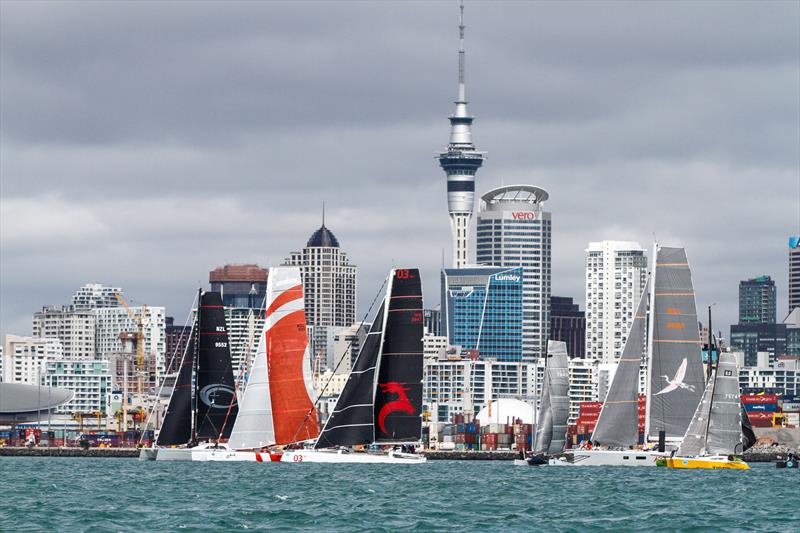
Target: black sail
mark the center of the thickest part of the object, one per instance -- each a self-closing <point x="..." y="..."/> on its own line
<point x="177" y="426"/>
<point x="748" y="435"/>
<point x="398" y="393"/>
<point x="215" y="386"/>
<point x="350" y="422"/>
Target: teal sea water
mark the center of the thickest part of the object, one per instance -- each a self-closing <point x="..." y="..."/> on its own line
<point x="76" y="494"/>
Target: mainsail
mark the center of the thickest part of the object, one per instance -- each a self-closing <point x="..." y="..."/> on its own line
<point x="617" y="425"/>
<point x="276" y="407"/>
<point x="674" y="364"/>
<point x="551" y="429"/>
<point x="382" y="399"/>
<point x="398" y="395"/>
<point x="716" y="427"/>
<point x="215" y="395"/>
<point x="177" y="426"/>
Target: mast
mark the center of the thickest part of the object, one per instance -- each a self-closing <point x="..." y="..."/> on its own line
<point x="194" y="369"/>
<point x="710" y="340"/>
<point x="713" y="385"/>
<point x="649" y="356"/>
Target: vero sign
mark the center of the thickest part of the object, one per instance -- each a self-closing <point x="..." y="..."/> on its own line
<point x="524" y="215"/>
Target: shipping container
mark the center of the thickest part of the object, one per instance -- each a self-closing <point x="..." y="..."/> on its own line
<point x="458" y="419"/>
<point x="755" y="416"/>
<point x="763" y="407"/>
<point x="759" y="398"/>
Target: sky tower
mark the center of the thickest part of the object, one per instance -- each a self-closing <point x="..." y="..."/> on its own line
<point x="460" y="162"/>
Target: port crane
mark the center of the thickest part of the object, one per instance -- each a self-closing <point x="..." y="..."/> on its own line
<point x="138" y="320"/>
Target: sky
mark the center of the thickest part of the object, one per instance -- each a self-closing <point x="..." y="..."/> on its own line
<point x="142" y="144"/>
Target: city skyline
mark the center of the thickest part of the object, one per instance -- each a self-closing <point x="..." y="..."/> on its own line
<point x="129" y="171"/>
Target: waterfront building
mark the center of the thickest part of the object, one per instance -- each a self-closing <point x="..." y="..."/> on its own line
<point x="329" y="287"/>
<point x="514" y="230"/>
<point x="176" y="341"/>
<point x="244" y="326"/>
<point x="346" y="344"/>
<point x="794" y="273"/>
<point x="96" y="295"/>
<point x="242" y="286"/>
<point x="432" y="321"/>
<point x="113" y="326"/>
<point x="434" y="346"/>
<point x="482" y="311"/>
<point x="753" y="338"/>
<point x="616" y="272"/>
<point x="781" y="375"/>
<point x="75" y="328"/>
<point x="568" y="324"/>
<point x="89" y="380"/>
<point x="757" y="301"/>
<point x="460" y="162"/>
<point x="24" y="358"/>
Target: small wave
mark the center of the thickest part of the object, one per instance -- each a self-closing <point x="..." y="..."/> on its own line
<point x="281" y="497"/>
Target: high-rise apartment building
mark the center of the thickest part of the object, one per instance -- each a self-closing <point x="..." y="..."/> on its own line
<point x="176" y="342"/>
<point x="114" y="325"/>
<point x="482" y="311"/>
<point x="24" y="358"/>
<point x="616" y="273"/>
<point x="75" y="328"/>
<point x="515" y="231"/>
<point x="757" y="301"/>
<point x="243" y="286"/>
<point x="95" y="295"/>
<point x="794" y="273"/>
<point x="329" y="287"/>
<point x="460" y="162"/>
<point x="568" y="324"/>
<point x="89" y="380"/>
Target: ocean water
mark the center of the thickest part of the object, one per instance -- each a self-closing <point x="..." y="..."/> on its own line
<point x="77" y="494"/>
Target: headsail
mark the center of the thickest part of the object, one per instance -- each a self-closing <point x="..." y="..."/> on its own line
<point x="215" y="396"/>
<point x="177" y="426"/>
<point x="398" y="394"/>
<point x="351" y="421"/>
<point x="716" y="427"/>
<point x="617" y="426"/>
<point x="674" y="365"/>
<point x="551" y="428"/>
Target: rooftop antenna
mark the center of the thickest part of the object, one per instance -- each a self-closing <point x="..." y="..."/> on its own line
<point x="323" y="213"/>
<point x="461" y="92"/>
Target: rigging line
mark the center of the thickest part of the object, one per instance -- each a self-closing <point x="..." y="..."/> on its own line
<point x="240" y="374"/>
<point x="172" y="360"/>
<point x="341" y="359"/>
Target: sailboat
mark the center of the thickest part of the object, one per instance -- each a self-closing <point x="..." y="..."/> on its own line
<point x="714" y="437"/>
<point x="202" y="407"/>
<point x="551" y="427"/>
<point x="381" y="402"/>
<point x="675" y="373"/>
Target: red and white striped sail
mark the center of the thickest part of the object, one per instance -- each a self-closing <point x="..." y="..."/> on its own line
<point x="277" y="405"/>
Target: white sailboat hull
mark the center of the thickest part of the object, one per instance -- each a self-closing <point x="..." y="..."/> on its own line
<point x="344" y="456"/>
<point x="607" y="458"/>
<point x="203" y="453"/>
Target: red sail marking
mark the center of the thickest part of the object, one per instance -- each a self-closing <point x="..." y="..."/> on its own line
<point x="285" y="297"/>
<point x="401" y="404"/>
<point x="286" y="347"/>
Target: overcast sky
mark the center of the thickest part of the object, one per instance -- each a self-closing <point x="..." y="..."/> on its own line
<point x="145" y="143"/>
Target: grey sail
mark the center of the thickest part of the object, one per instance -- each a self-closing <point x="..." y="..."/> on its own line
<point x="695" y="438"/>
<point x="618" y="424"/>
<point x="725" y="426"/>
<point x="559" y="394"/>
<point x="551" y="428"/>
<point x="675" y="369"/>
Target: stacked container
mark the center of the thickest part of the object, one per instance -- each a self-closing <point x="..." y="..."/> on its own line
<point x="760" y="408"/>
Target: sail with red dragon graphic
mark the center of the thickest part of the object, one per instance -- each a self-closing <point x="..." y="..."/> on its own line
<point x="277" y="406"/>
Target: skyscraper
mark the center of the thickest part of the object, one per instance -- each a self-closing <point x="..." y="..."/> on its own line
<point x="329" y="287"/>
<point x="616" y="272"/>
<point x="757" y="301"/>
<point x="568" y="324"/>
<point x="482" y="311"/>
<point x="241" y="286"/>
<point x="460" y="162"/>
<point x="515" y="231"/>
<point x="794" y="273"/>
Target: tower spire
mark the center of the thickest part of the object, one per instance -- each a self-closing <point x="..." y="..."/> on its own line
<point x="461" y="57"/>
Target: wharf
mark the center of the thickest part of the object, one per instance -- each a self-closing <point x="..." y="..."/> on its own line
<point x="457" y="455"/>
<point x="15" y="451"/>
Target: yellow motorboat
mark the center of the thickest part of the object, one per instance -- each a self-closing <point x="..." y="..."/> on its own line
<point x="708" y="461"/>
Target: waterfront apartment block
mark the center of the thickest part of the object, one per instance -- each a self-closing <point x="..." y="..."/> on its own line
<point x="757" y="301"/>
<point x="616" y="273"/>
<point x="112" y="322"/>
<point x="96" y="295"/>
<point x="242" y="286"/>
<point x="75" y="328"/>
<point x="89" y="380"/>
<point x="482" y="311"/>
<point x="24" y="358"/>
<point x="514" y="231"/>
